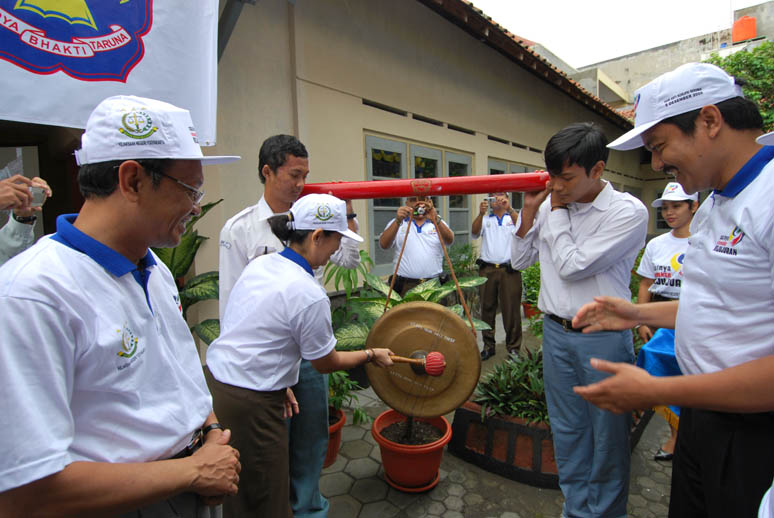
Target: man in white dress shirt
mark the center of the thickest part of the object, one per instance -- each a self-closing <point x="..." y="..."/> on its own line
<point x="283" y="166"/>
<point x="586" y="236"/>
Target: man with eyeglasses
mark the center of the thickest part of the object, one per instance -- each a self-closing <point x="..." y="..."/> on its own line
<point x="104" y="399"/>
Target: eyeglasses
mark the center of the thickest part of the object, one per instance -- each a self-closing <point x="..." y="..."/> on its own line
<point x="195" y="194"/>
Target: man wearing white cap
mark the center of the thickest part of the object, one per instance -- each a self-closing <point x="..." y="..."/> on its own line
<point x="104" y="399"/>
<point x="698" y="126"/>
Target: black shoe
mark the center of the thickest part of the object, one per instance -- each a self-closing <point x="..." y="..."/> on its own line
<point x="486" y="354"/>
<point x="663" y="455"/>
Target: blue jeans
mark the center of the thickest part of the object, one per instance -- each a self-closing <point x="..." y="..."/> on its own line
<point x="308" y="443"/>
<point x="591" y="445"/>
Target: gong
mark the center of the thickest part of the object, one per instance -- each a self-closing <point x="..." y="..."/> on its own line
<point x="417" y="328"/>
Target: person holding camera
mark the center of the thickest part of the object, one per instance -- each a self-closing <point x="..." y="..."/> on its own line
<point x="24" y="197"/>
<point x="423" y="256"/>
<point x="495" y="224"/>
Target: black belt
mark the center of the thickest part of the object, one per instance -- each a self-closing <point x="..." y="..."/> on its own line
<point x="495" y="265"/>
<point x="420" y="281"/>
<point x="566" y="324"/>
<point x="196" y="442"/>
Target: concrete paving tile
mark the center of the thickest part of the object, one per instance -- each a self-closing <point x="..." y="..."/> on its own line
<point x="416" y="510"/>
<point x="362" y="468"/>
<point x="335" y="484"/>
<point x="355" y="449"/>
<point x="645" y="482"/>
<point x="456" y="490"/>
<point x="369" y="490"/>
<point x="472" y="499"/>
<point x="376" y="454"/>
<point x="457" y="476"/>
<point x="453" y="514"/>
<point x="337" y="466"/>
<point x="439" y="493"/>
<point x="344" y="506"/>
<point x="436" y="509"/>
<point x="350" y="433"/>
<point x="403" y="500"/>
<point x="454" y="503"/>
<point x="510" y="514"/>
<point x="381" y="509"/>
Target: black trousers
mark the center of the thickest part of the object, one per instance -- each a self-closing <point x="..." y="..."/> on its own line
<point x="723" y="464"/>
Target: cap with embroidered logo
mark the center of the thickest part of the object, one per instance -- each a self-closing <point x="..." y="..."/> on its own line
<point x="686" y="88"/>
<point x="126" y="127"/>
<point x="674" y="192"/>
<point x="322" y="211"/>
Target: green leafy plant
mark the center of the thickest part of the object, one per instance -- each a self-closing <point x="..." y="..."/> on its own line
<point x="515" y="388"/>
<point x="530" y="279"/>
<point x="200" y="287"/>
<point x="535" y="325"/>
<point x="463" y="258"/>
<point x="348" y="277"/>
<point x="366" y="309"/>
<point x="341" y="391"/>
<point x="755" y="68"/>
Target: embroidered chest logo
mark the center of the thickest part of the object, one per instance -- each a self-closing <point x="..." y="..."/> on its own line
<point x="179" y="303"/>
<point x="85" y="39"/>
<point x="128" y="342"/>
<point x="728" y="244"/>
<point x="137" y="124"/>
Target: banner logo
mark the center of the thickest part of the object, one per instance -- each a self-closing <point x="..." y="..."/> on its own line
<point x="88" y="40"/>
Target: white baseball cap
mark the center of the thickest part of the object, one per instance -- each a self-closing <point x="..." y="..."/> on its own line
<point x="766" y="140"/>
<point x="686" y="88"/>
<point x="126" y="127"/>
<point x="322" y="211"/>
<point x="674" y="192"/>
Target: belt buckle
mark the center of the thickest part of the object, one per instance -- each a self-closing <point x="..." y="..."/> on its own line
<point x="497" y="265"/>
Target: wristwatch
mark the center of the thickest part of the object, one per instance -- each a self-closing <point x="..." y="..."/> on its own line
<point x="24" y="219"/>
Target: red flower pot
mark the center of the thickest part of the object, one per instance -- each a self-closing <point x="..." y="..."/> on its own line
<point x="334" y="437"/>
<point x="530" y="310"/>
<point x="406" y="467"/>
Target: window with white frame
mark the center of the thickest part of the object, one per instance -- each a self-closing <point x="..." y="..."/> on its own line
<point x="389" y="159"/>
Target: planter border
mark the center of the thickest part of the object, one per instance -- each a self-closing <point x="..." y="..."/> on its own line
<point x="470" y="413"/>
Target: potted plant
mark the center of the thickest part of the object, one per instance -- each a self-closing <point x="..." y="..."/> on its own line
<point x="411" y="460"/>
<point x="505" y="428"/>
<point x="530" y="278"/>
<point x="341" y="391"/>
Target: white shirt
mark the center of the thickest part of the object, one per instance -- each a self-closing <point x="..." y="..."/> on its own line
<point x="663" y="262"/>
<point x="269" y="325"/>
<point x="93" y="367"/>
<point x="15" y="237"/>
<point x="584" y="252"/>
<point x="726" y="312"/>
<point x="423" y="255"/>
<point x="247" y="235"/>
<point x="496" y="235"/>
<point x="766" y="509"/>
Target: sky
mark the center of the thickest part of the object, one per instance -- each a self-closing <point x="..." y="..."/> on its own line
<point x="583" y="33"/>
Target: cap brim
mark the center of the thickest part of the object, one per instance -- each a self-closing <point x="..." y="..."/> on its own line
<point x="348" y="233"/>
<point x="214" y="160"/>
<point x="656" y="203"/>
<point x="766" y="140"/>
<point x="632" y="139"/>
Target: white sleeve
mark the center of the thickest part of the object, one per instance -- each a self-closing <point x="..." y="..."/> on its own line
<point x="233" y="260"/>
<point x="348" y="254"/>
<point x="524" y="250"/>
<point x="647" y="268"/>
<point x="313" y="331"/>
<point x="15" y="237"/>
<point x="396" y="235"/>
<point x="37" y="365"/>
<point x="621" y="232"/>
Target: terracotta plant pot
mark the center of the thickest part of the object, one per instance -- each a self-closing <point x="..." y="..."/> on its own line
<point x="334" y="437"/>
<point x="530" y="310"/>
<point x="411" y="468"/>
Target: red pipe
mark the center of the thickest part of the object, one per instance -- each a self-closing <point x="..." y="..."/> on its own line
<point x="524" y="182"/>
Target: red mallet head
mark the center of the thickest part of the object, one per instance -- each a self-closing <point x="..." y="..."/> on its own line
<point x="435" y="363"/>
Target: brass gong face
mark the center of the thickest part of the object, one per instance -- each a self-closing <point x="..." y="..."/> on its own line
<point x="426" y="326"/>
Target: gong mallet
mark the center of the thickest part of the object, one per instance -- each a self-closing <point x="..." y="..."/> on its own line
<point x="423" y="362"/>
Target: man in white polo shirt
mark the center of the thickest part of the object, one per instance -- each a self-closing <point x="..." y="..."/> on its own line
<point x="496" y="226"/>
<point x="423" y="256"/>
<point x="104" y="397"/>
<point x="699" y="127"/>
